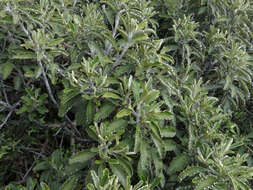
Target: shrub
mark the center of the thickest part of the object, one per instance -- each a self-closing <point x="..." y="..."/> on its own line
<point x="126" y="94"/>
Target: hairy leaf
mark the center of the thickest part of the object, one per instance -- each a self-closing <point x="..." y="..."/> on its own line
<point x="82" y="156"/>
<point x="206" y="183"/>
<point x="104" y="112"/>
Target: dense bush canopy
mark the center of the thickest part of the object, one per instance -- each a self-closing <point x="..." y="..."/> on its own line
<point x="126" y="94"/>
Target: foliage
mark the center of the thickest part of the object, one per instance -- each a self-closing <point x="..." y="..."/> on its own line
<point x="145" y="94"/>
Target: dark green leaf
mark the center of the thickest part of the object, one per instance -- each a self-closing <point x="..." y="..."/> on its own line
<point x="6" y="69"/>
<point x="82" y="156"/>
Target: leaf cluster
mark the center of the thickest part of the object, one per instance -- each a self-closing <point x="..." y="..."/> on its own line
<point x="130" y="95"/>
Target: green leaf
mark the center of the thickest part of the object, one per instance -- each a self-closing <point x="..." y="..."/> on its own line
<point x="38" y="72"/>
<point x="139" y="36"/>
<point x="41" y="166"/>
<point x="71" y="169"/>
<point x="136" y="90"/>
<point x="190" y="171"/>
<point x="169" y="145"/>
<point x="178" y="163"/>
<point x="104" y="112"/>
<point x="90" y="112"/>
<point x="155" y="183"/>
<point x="67" y="100"/>
<point x="21" y="110"/>
<point x="111" y="95"/>
<point x="206" y="183"/>
<point x="64" y="108"/>
<point x="70" y="184"/>
<point x="105" y="177"/>
<point x="158" y="162"/>
<point x="6" y="19"/>
<point x="123" y="113"/>
<point x="82" y="156"/>
<point x="150" y="96"/>
<point x="226" y="146"/>
<point x="91" y="133"/>
<point x="145" y="155"/>
<point x="80" y="114"/>
<point x="148" y="84"/>
<point x="30" y="184"/>
<point x="158" y="144"/>
<point x="6" y="69"/>
<point x="56" y="159"/>
<point x="69" y="94"/>
<point x="202" y="10"/>
<point x="143" y="172"/>
<point x="165" y="115"/>
<point x="44" y="186"/>
<point x="123" y="34"/>
<point x="55" y="42"/>
<point x="112" y="161"/>
<point x="17" y="82"/>
<point x="243" y="185"/>
<point x="155" y="129"/>
<point x="117" y="125"/>
<point x="168" y="131"/>
<point x="95" y="179"/>
<point x="227" y="83"/>
<point x="120" y="173"/>
<point x="137" y="139"/>
<point x="126" y="165"/>
<point x="90" y="187"/>
<point x="25" y="55"/>
<point x="138" y="185"/>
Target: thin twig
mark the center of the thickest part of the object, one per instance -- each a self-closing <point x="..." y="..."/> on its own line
<point x="47" y="82"/>
<point x="4" y="104"/>
<point x="12" y="109"/>
<point x="28" y="172"/>
<point x="21" y="76"/>
<point x="47" y="85"/>
<point x="4" y="45"/>
<point x="26" y="32"/>
<point x="66" y="130"/>
<point x="6" y="119"/>
<point x="117" y="62"/>
<point x="58" y="131"/>
<point x="52" y="96"/>
<point x="32" y="150"/>
<point x="4" y="92"/>
<point x="63" y="134"/>
<point x="74" y="4"/>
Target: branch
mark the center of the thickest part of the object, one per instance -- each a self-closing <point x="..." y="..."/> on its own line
<point x="26" y="32"/>
<point x="6" y="119"/>
<point x="5" y="104"/>
<point x="63" y="126"/>
<point x="47" y="85"/>
<point x="28" y="171"/>
<point x="12" y="109"/>
<point x="21" y="75"/>
<point x="117" y="62"/>
<point x="4" y="92"/>
<point x="47" y="82"/>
